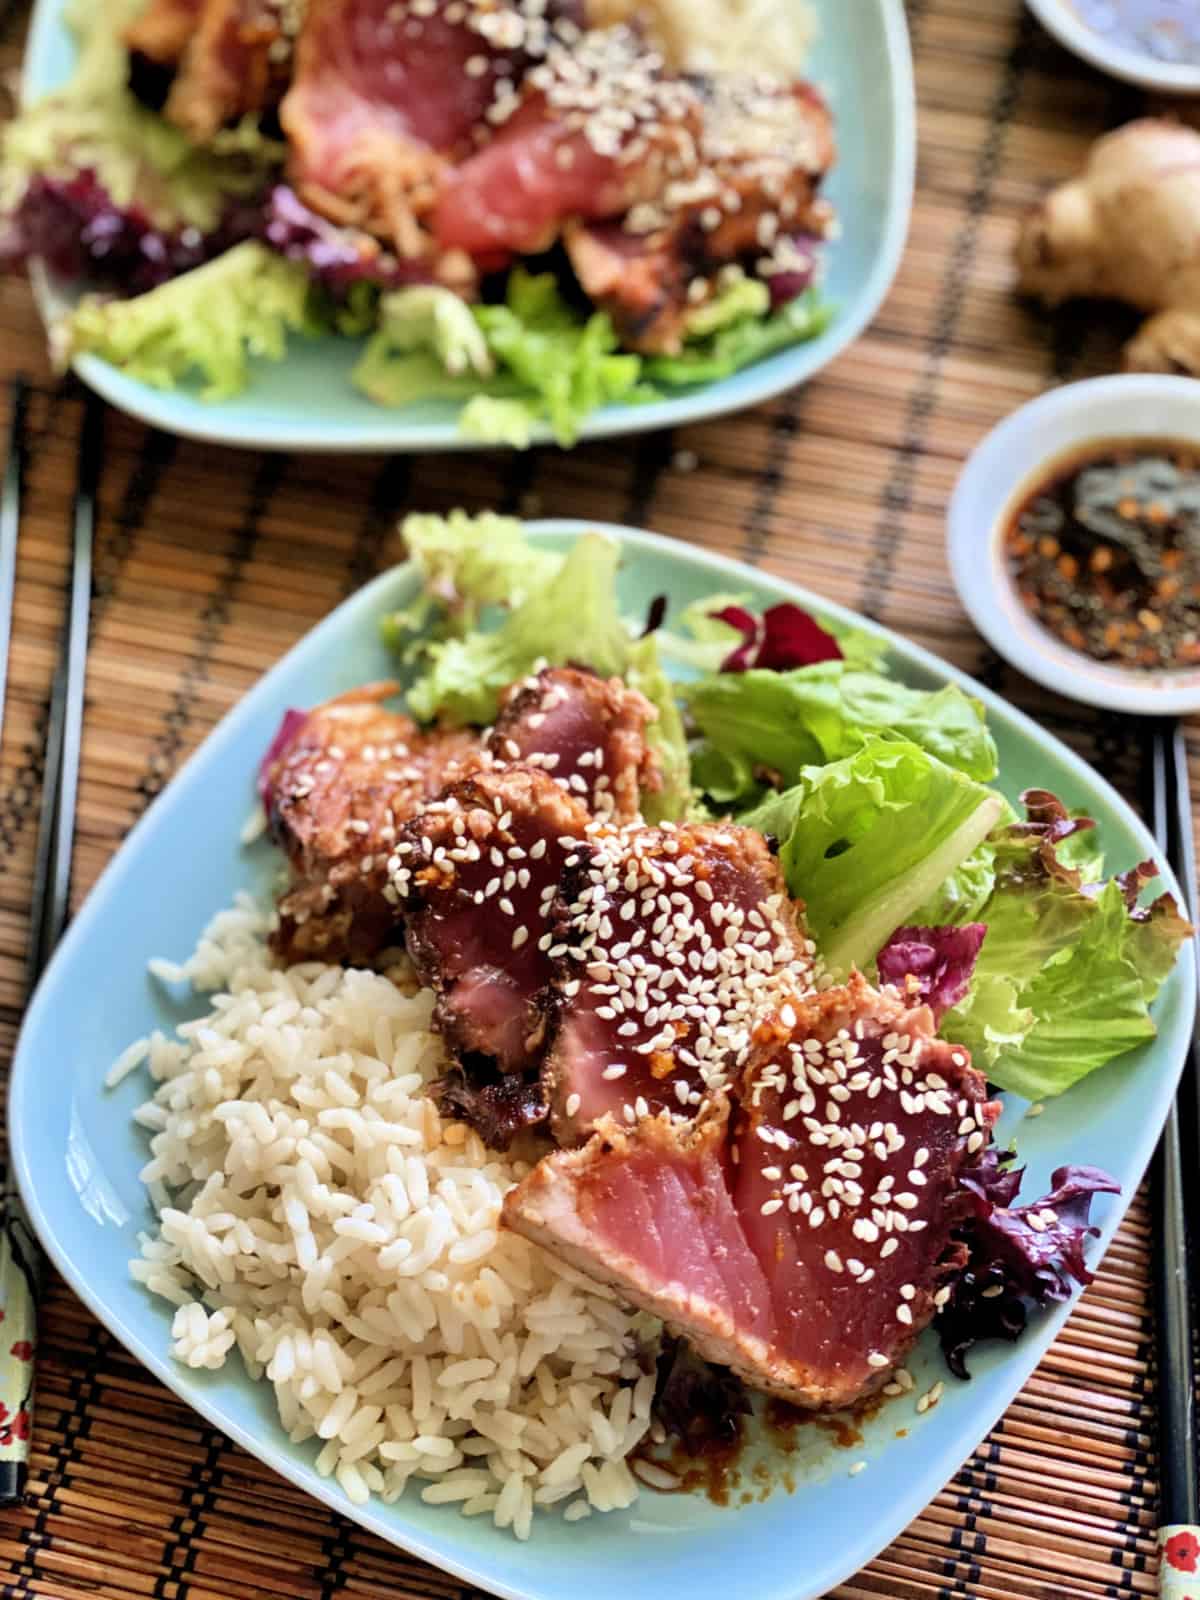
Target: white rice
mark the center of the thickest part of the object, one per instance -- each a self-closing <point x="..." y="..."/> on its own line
<point x="318" y="1214"/>
<point x="772" y="37"/>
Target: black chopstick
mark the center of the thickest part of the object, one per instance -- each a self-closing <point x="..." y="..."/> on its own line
<point x="19" y="1257"/>
<point x="10" y="524"/>
<point x="60" y="786"/>
<point x="1179" y="1459"/>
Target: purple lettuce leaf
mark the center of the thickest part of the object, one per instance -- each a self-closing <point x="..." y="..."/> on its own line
<point x="1014" y="1256"/>
<point x="73" y="225"/>
<point x="336" y="257"/>
<point x="782" y="638"/>
<point x="800" y="274"/>
<point x="932" y="966"/>
<point x="287" y="730"/>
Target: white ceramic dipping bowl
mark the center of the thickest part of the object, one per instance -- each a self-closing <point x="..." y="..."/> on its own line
<point x="1003" y="470"/>
<point x="1060" y="18"/>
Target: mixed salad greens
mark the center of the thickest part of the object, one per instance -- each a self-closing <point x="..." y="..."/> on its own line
<point x="200" y="259"/>
<point x="881" y="796"/>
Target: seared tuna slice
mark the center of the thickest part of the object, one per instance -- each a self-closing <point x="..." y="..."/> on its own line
<point x="238" y="62"/>
<point x="587" y="732"/>
<point x="684" y="945"/>
<point x="801" y="1241"/>
<point x="595" y="128"/>
<point x="477" y="874"/>
<point x="763" y="151"/>
<point x="337" y="794"/>
<point x="641" y="281"/>
<point x="386" y="93"/>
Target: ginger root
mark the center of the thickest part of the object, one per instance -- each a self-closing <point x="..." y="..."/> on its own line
<point x="1127" y="229"/>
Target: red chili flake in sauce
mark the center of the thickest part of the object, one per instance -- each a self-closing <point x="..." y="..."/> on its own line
<point x="1105" y="553"/>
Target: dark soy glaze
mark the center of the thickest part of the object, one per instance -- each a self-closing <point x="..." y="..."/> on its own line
<point x="1104" y="551"/>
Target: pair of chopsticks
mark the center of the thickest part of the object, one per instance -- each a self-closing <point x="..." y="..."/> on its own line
<point x="1174" y="1192"/>
<point x="19" y="1259"/>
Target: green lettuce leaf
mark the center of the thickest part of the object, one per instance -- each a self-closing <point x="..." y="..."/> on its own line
<point x="489" y="419"/>
<point x="495" y="605"/>
<point x="532" y="359"/>
<point x="93" y="123"/>
<point x="644" y="671"/>
<point x="783" y="722"/>
<point x="698" y="639"/>
<point x="549" y="363"/>
<point x="737" y="298"/>
<point x="428" y="344"/>
<point x="571" y="617"/>
<point x="738" y="344"/>
<point x="569" y="369"/>
<point x="963" y="895"/>
<point x="207" y="323"/>
<point x="866" y="840"/>
<point x="1068" y="968"/>
<point x="468" y="563"/>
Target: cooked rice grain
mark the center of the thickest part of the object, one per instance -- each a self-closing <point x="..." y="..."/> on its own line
<point x="316" y="1212"/>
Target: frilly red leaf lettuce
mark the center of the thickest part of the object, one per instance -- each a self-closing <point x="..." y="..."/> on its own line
<point x="337" y="258"/>
<point x="1015" y="1255"/>
<point x="287" y="730"/>
<point x="74" y="226"/>
<point x="1072" y="961"/>
<point x="782" y="638"/>
<point x="932" y="966"/>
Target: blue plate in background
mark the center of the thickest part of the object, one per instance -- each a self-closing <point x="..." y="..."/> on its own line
<point x="862" y="60"/>
<point x="77" y="1153"/>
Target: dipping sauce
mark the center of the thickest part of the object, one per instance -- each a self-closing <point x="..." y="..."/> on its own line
<point x="1165" y="30"/>
<point x="1105" y="552"/>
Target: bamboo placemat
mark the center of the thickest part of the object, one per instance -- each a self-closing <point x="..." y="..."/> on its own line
<point x="211" y="564"/>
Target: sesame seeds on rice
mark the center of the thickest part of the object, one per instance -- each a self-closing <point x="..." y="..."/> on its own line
<point x="318" y="1215"/>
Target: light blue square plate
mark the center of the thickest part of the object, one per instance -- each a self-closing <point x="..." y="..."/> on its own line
<point x="77" y="1153"/>
<point x="861" y="58"/>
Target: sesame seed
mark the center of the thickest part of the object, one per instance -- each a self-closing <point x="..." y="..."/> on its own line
<point x="574" y="1101"/>
<point x="833" y="1261"/>
<point x="878" y="1360"/>
<point x="859" y="1466"/>
<point x="904" y="1314"/>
